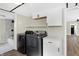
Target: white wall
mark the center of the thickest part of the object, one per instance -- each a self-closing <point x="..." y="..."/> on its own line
<point x="5" y="30"/>
<point x="72" y="14"/>
<point x="27" y="23"/>
<point x="9" y="26"/>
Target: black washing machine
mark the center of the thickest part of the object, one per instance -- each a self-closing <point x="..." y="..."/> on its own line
<point x="21" y="43"/>
<point x="34" y="43"/>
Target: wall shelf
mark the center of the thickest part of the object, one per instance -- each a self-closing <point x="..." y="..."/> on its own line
<point x="40" y="18"/>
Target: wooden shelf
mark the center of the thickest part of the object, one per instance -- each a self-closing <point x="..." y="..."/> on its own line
<point x="40" y="18"/>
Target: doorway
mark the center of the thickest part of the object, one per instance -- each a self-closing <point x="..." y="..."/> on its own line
<point x="72" y="30"/>
<point x="72" y="39"/>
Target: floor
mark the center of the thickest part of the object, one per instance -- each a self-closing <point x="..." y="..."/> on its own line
<point x="72" y="45"/>
<point x="12" y="53"/>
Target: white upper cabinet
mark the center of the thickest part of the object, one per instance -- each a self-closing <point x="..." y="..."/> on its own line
<point x="54" y="17"/>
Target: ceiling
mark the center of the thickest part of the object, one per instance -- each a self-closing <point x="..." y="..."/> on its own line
<point x="4" y="14"/>
<point x="7" y="6"/>
<point x="27" y="9"/>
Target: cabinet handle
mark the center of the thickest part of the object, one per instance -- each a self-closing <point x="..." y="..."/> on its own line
<point x="58" y="49"/>
<point x="50" y="42"/>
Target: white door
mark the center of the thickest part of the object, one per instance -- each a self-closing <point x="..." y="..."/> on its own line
<point x="2" y="31"/>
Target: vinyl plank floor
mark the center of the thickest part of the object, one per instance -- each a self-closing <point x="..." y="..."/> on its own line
<point x="72" y="45"/>
<point x="12" y="53"/>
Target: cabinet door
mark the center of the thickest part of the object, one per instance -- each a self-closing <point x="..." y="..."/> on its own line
<point x="50" y="48"/>
<point x="54" y="17"/>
